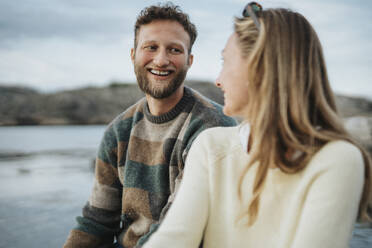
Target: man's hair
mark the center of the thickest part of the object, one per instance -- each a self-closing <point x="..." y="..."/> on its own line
<point x="167" y="11"/>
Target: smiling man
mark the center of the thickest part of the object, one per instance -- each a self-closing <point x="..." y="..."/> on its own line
<point x="142" y="154"/>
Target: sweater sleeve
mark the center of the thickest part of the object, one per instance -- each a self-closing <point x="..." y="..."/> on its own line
<point x="101" y="215"/>
<point x="331" y="205"/>
<point x="184" y="223"/>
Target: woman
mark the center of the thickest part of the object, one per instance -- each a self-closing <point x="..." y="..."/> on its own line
<point x="292" y="177"/>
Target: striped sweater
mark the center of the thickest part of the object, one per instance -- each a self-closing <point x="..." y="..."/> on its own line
<point x="138" y="168"/>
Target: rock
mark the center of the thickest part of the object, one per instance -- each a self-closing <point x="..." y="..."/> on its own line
<point x="19" y="106"/>
<point x="353" y="106"/>
<point x="360" y="127"/>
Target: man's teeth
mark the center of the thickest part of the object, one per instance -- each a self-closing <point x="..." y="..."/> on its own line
<point x="160" y="73"/>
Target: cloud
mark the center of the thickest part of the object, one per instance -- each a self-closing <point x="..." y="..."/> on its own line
<point x="67" y="19"/>
<point x="53" y="44"/>
<point x="56" y="63"/>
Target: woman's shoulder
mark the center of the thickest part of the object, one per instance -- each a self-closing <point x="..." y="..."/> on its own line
<point x="217" y="140"/>
<point x="340" y="149"/>
<point x="338" y="155"/>
<point x="219" y="134"/>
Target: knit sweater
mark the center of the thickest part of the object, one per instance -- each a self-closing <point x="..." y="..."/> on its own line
<point x="315" y="207"/>
<point x="138" y="167"/>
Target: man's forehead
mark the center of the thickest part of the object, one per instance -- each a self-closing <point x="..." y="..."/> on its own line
<point x="166" y="41"/>
<point x="163" y="31"/>
<point x="162" y="25"/>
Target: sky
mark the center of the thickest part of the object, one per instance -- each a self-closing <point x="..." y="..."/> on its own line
<point x="53" y="45"/>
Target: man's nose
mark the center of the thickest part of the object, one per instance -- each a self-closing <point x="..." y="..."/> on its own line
<point x="161" y="59"/>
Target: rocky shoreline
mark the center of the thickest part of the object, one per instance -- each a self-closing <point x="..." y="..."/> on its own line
<point x="94" y="105"/>
<point x="90" y="105"/>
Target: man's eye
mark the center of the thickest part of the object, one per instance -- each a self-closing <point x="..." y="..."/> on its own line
<point x="175" y="50"/>
<point x="151" y="48"/>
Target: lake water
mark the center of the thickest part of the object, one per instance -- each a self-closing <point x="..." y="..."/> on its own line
<point x="46" y="175"/>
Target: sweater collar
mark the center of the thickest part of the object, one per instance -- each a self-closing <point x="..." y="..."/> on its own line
<point x="171" y="114"/>
<point x="244" y="132"/>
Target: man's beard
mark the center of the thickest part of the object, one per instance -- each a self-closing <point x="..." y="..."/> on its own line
<point x="158" y="92"/>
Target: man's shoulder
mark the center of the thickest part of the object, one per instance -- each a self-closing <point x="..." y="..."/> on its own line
<point x="202" y="101"/>
<point x="209" y="111"/>
<point x="132" y="114"/>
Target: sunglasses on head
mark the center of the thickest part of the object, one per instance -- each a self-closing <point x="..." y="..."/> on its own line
<point x="250" y="11"/>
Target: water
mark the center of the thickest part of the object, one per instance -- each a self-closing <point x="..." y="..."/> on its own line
<point x="46" y="175"/>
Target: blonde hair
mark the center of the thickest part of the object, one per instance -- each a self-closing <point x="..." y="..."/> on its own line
<point x="291" y="106"/>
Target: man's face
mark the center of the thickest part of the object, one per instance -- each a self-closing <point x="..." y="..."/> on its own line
<point x="161" y="58"/>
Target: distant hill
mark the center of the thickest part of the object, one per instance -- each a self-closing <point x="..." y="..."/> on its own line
<point x="91" y="105"/>
<point x="94" y="105"/>
<point x="21" y="106"/>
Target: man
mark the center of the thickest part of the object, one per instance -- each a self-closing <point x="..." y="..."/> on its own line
<point x="143" y="151"/>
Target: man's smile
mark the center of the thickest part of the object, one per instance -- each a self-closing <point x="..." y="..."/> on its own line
<point x="161" y="73"/>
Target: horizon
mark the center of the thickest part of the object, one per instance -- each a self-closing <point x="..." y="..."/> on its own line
<point x="110" y="84"/>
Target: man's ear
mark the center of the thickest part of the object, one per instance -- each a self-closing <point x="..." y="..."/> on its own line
<point x="132" y="54"/>
<point x="190" y="60"/>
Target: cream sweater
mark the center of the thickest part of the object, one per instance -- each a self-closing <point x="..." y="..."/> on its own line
<point x="316" y="207"/>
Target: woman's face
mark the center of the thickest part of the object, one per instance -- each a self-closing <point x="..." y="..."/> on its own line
<point x="233" y="79"/>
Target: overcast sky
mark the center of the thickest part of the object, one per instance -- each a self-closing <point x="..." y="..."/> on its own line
<point x="62" y="44"/>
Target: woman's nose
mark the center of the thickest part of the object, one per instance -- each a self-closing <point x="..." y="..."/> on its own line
<point x="218" y="82"/>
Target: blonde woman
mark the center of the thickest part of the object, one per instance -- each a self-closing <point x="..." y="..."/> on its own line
<point x="292" y="177"/>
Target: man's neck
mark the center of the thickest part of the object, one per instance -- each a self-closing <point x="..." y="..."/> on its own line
<point x="161" y="106"/>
